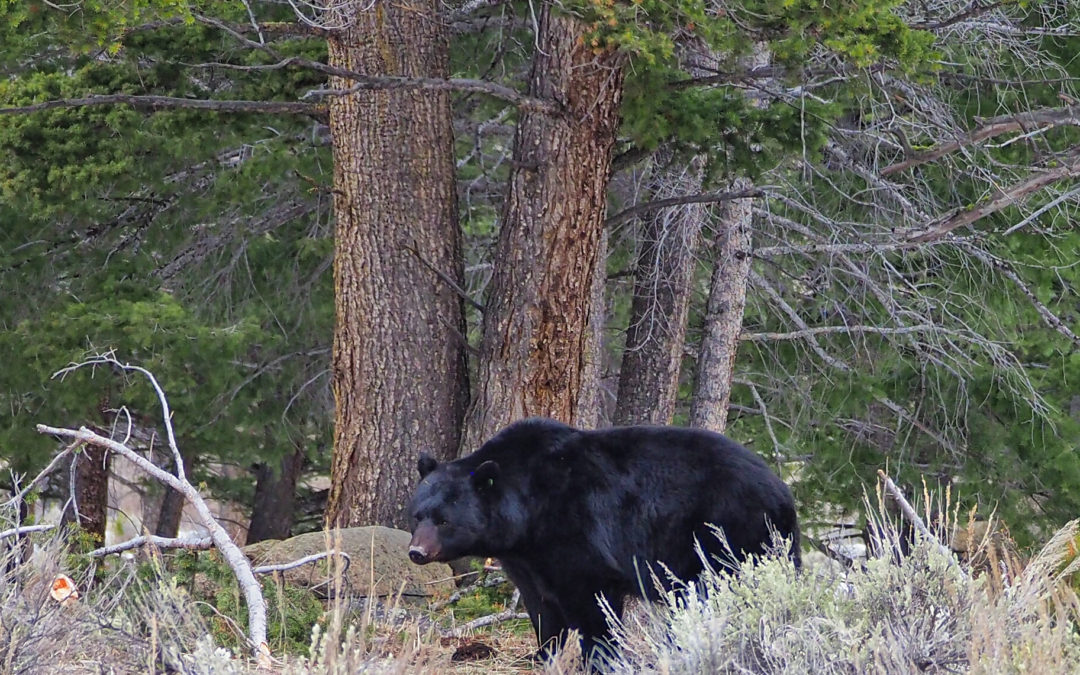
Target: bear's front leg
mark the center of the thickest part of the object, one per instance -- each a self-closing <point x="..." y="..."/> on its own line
<point x="585" y="614"/>
<point x="546" y="616"/>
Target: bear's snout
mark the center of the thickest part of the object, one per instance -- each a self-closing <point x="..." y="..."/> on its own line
<point x="424" y="547"/>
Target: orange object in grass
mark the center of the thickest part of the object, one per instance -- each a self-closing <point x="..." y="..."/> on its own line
<point x="64" y="590"/>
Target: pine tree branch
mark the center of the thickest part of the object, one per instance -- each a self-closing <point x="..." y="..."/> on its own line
<point x="634" y="211"/>
<point x="975" y="10"/>
<point x="166" y="102"/>
<point x="994" y="126"/>
<point x="284" y="28"/>
<point x="1052" y="320"/>
<point x="832" y="330"/>
<point x="1064" y="166"/>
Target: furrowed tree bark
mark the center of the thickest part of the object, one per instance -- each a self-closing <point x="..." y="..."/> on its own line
<point x="535" y="336"/>
<point x="398" y="371"/>
<point x="732" y="246"/>
<point x="273" y="510"/>
<point x="723" y="318"/>
<point x="591" y="395"/>
<point x="649" y="376"/>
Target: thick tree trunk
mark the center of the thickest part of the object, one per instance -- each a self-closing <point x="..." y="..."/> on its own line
<point x="536" y="323"/>
<point x="724" y="314"/>
<point x="399" y="375"/>
<point x="273" y="510"/>
<point x="591" y="395"/>
<point x="652" y="359"/>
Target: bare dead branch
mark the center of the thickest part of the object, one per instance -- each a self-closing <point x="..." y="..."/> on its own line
<point x="61" y="456"/>
<point x="913" y="517"/>
<point x="363" y="82"/>
<point x="284" y="28"/>
<point x="914" y="421"/>
<point x="1053" y="203"/>
<point x="1066" y="166"/>
<point x="490" y="619"/>
<point x="108" y="359"/>
<point x="189" y="542"/>
<point x="484" y="579"/>
<point x="445" y="278"/>
<point x="778" y="455"/>
<point x="306" y="560"/>
<point x="171" y="102"/>
<point x="213" y="241"/>
<point x="229" y="550"/>
<point x="1052" y="320"/>
<point x="25" y="529"/>
<point x="792" y="315"/>
<point x="832" y="330"/>
<point x="889" y="246"/>
<point x="976" y="9"/>
<point x="995" y="126"/>
<point x="391" y="82"/>
<point x="259" y="370"/>
<point x="638" y="209"/>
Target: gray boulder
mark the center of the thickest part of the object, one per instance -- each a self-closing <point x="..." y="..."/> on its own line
<point x="380" y="564"/>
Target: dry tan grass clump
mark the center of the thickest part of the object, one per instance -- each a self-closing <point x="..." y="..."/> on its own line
<point x="924" y="612"/>
<point x="135" y="618"/>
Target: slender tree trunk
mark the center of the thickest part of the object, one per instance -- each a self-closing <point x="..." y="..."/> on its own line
<point x="398" y="376"/>
<point x="731" y="252"/>
<point x="536" y="324"/>
<point x="724" y="314"/>
<point x="652" y="359"/>
<point x="172" y="503"/>
<point x="91" y="491"/>
<point x="273" y="510"/>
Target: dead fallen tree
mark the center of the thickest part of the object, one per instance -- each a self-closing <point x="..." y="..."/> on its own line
<point x="233" y="556"/>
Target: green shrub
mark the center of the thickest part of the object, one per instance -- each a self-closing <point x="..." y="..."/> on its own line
<point x="923" y="613"/>
<point x="290" y="611"/>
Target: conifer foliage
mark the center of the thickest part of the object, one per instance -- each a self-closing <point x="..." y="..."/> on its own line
<point x="343" y="233"/>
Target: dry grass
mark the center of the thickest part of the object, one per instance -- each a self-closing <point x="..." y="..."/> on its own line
<point x="924" y="613"/>
<point x="137" y="619"/>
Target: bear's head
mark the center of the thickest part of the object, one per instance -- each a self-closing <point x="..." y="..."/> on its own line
<point x="452" y="510"/>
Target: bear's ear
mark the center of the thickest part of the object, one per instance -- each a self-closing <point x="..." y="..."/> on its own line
<point x="486" y="475"/>
<point x="426" y="464"/>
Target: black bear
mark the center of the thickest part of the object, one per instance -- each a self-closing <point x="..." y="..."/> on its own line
<point x="574" y="514"/>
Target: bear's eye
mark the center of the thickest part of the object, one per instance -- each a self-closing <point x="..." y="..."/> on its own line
<point x="439" y="521"/>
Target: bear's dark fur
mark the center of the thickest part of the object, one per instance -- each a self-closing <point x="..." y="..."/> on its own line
<point x="572" y="514"/>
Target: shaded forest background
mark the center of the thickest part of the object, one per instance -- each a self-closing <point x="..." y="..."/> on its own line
<point x="340" y="234"/>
